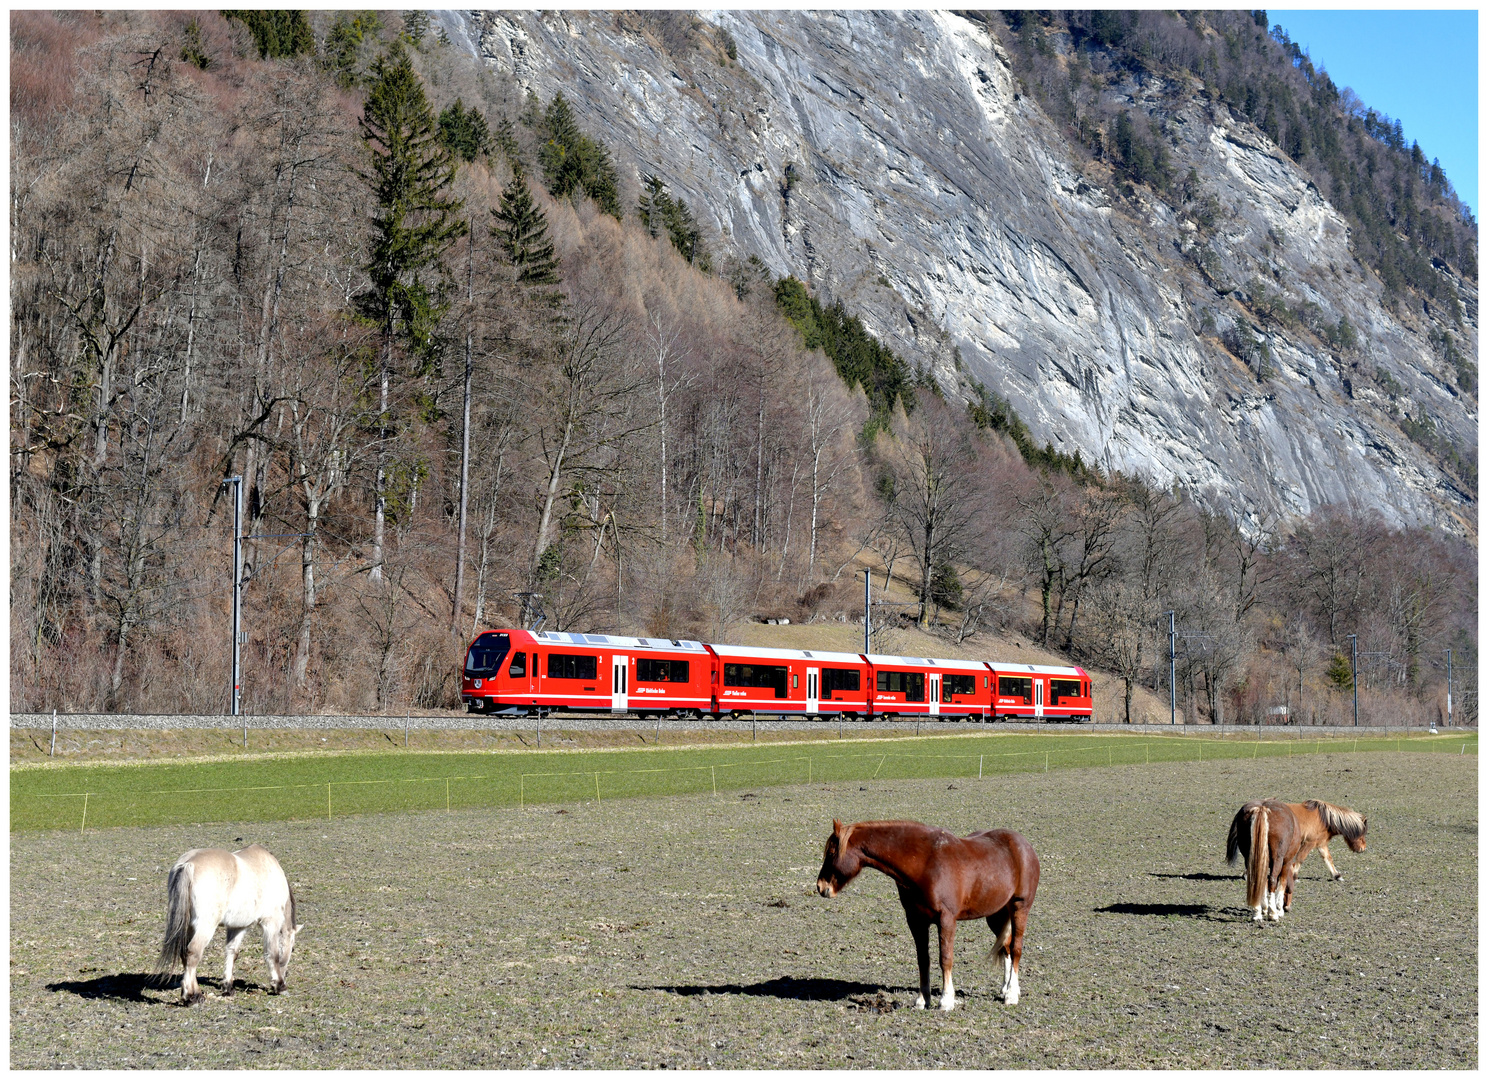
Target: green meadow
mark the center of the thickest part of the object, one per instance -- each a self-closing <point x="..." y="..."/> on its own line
<point x="307" y="786"/>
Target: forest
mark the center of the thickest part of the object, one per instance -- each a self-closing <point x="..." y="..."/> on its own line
<point x="475" y="372"/>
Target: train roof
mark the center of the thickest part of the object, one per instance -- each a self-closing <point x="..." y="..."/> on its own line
<point x="607" y="641"/>
<point x="926" y="661"/>
<point x="1035" y="669"/>
<point x="787" y="654"/>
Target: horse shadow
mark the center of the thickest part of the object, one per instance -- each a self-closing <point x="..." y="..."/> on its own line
<point x="125" y="986"/>
<point x="786" y="988"/>
<point x="131" y="986"/>
<point x="1201" y="876"/>
<point x="1187" y="911"/>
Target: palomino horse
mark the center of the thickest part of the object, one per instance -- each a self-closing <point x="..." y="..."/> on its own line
<point x="988" y="875"/>
<point x="211" y="887"/>
<point x="1293" y="831"/>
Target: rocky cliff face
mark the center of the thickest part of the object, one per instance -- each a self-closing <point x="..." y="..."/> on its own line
<point x="889" y="160"/>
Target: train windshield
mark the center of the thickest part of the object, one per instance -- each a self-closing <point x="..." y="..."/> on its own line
<point x="486" y="654"/>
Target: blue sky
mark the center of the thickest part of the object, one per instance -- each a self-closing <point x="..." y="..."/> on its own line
<point x="1420" y="67"/>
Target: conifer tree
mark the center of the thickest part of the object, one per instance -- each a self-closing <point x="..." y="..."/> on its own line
<point x="572" y="162"/>
<point x="277" y="33"/>
<point x="522" y="233"/>
<point x="415" y="222"/>
<point x="464" y="132"/>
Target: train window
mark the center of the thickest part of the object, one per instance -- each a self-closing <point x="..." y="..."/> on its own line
<point x="649" y="670"/>
<point x="909" y="683"/>
<point x="518" y="665"/>
<point x="1022" y="688"/>
<point x="486" y="654"/>
<point x="757" y="675"/>
<point x="986" y="681"/>
<point x="958" y="684"/>
<point x="1063" y="688"/>
<point x="835" y="679"/>
<point x="795" y="682"/>
<point x="569" y="666"/>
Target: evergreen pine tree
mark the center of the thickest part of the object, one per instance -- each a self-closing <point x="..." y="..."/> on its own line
<point x="277" y="33"/>
<point x="572" y="162"/>
<point x="416" y="218"/>
<point x="559" y="157"/>
<point x="463" y="132"/>
<point x="523" y="234"/>
<point x="415" y="222"/>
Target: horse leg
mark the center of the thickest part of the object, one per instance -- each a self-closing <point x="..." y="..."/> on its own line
<point x="919" y="929"/>
<point x="1018" y="923"/>
<point x="1001" y="926"/>
<point x="1276" y="885"/>
<point x="201" y="937"/>
<point x="234" y="943"/>
<point x="1328" y="858"/>
<point x="947" y="944"/>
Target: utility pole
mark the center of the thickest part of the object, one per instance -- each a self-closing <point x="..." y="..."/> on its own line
<point x="1354" y="668"/>
<point x="237" y="604"/>
<point x="1172" y="669"/>
<point x="868" y="614"/>
<point x="1449" y="691"/>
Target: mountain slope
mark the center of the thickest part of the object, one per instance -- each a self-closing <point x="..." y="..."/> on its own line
<point x="891" y="160"/>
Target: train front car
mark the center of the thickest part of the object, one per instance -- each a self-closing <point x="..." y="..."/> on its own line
<point x="555" y="671"/>
<point x="485" y="663"/>
<point x="790" y="682"/>
<point x="1038" y="692"/>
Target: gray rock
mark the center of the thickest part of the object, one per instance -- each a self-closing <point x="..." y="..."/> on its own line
<point x="889" y="160"/>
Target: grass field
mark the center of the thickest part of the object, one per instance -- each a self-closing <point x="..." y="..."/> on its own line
<point x="681" y="931"/>
<point x="326" y="786"/>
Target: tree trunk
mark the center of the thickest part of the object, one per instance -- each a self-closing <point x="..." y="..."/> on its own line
<point x="381" y="511"/>
<point x="307" y="605"/>
<point x="464" y="494"/>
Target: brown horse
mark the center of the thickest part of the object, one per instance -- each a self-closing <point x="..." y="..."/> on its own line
<point x="988" y="875"/>
<point x="1293" y="831"/>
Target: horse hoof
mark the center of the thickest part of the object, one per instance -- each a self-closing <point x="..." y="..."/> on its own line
<point x="947" y="1005"/>
<point x="919" y="1003"/>
<point x="1011" y="999"/>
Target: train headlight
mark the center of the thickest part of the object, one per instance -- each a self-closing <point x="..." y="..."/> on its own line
<point x="478" y="683"/>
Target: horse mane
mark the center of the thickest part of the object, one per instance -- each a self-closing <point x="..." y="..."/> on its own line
<point x="1340" y="820"/>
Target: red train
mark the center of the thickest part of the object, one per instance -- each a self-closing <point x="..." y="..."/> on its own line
<point x="516" y="672"/>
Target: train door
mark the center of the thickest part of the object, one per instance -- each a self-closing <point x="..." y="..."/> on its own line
<point x="934" y="694"/>
<point x="619" y="683"/>
<point x="1038" y="697"/>
<point x="813" y="690"/>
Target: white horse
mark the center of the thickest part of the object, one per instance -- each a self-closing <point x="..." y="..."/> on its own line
<point x="212" y="887"/>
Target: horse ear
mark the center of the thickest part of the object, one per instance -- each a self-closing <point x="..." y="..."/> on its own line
<point x="299" y="927"/>
<point x="836" y="826"/>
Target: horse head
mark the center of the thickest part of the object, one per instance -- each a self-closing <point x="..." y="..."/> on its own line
<point x="281" y="946"/>
<point x="1341" y="821"/>
<point x="840" y="861"/>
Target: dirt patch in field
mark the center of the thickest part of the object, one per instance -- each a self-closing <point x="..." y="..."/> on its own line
<point x="683" y="932"/>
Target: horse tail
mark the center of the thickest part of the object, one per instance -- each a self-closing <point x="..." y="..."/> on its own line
<point x="1238" y="846"/>
<point x="177" y="915"/>
<point x="1258" y="866"/>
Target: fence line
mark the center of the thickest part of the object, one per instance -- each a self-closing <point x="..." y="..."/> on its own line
<point x="712" y="768"/>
